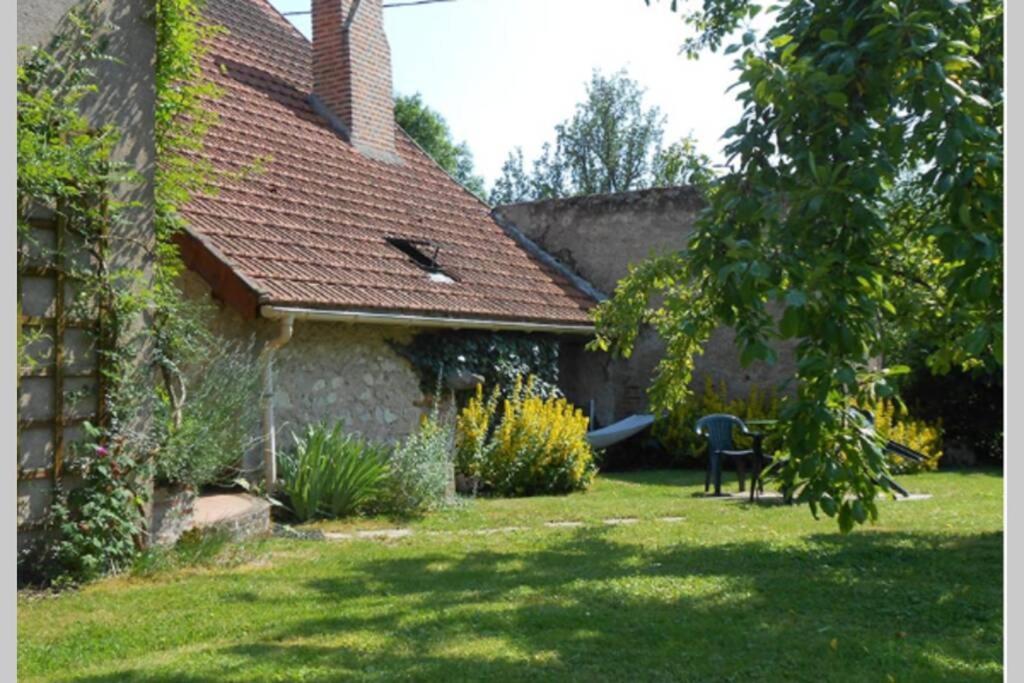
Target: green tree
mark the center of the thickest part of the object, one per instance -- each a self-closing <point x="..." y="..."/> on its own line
<point x="513" y="185"/>
<point x="840" y="101"/>
<point x="612" y="143"/>
<point x="682" y="164"/>
<point x="608" y="144"/>
<point x="429" y="129"/>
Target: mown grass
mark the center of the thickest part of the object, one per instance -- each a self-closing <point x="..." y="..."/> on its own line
<point x="731" y="592"/>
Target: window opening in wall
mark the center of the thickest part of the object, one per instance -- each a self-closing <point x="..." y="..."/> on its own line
<point x="424" y="254"/>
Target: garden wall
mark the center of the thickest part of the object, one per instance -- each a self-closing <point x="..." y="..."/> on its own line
<point x="599" y="237"/>
<point x="60" y="390"/>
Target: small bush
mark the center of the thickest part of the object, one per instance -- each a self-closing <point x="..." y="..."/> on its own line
<point x="422" y="472"/>
<point x="96" y="527"/>
<point x="330" y="474"/>
<point x="535" y="445"/>
<point x="897" y="425"/>
<point x="218" y="418"/>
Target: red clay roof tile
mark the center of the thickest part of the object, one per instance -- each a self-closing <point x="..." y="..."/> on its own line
<point x="311" y="229"/>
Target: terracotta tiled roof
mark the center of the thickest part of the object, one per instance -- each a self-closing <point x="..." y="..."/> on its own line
<point x="311" y="229"/>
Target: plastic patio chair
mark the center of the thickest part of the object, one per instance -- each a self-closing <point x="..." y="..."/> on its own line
<point x="718" y="429"/>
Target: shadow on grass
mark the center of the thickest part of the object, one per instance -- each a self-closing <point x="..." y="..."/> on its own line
<point x="857" y="607"/>
<point x="658" y="477"/>
<point x="974" y="471"/>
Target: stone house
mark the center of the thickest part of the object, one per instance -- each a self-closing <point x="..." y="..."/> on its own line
<point x="349" y="237"/>
<point x="346" y="240"/>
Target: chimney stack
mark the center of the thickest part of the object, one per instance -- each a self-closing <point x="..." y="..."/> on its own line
<point x="352" y="74"/>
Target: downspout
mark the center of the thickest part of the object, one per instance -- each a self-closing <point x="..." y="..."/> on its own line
<point x="269" y="428"/>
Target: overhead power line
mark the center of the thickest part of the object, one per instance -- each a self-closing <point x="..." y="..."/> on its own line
<point x="410" y="3"/>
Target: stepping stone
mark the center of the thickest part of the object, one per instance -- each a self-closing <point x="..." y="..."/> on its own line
<point x="615" y="521"/>
<point x="737" y="495"/>
<point x="285" y="531"/>
<point x="563" y="525"/>
<point x="913" y="496"/>
<point x="499" y="530"/>
<point x="671" y="519"/>
<point x="384" y="533"/>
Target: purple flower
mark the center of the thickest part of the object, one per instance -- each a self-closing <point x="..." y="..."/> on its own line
<point x="102" y="452"/>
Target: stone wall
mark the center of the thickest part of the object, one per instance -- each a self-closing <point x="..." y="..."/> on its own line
<point x="330" y="371"/>
<point x="599" y="237"/>
<point x="338" y="371"/>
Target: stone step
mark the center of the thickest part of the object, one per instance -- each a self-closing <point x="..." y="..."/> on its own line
<point x="241" y="515"/>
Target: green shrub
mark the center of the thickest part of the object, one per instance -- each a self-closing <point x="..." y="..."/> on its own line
<point x="422" y="473"/>
<point x="96" y="527"/>
<point x="330" y="474"/>
<point x="535" y="445"/>
<point x="499" y="357"/>
<point x="218" y="418"/>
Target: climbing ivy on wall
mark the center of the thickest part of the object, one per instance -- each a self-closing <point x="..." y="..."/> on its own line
<point x="497" y="357"/>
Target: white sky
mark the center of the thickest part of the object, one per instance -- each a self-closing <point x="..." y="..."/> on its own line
<point x="504" y="72"/>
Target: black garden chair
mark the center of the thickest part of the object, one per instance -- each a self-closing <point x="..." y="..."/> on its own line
<point x="718" y="429"/>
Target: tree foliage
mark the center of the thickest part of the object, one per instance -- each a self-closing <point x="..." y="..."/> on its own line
<point x="681" y="163"/>
<point x="800" y="239"/>
<point x="612" y="143"/>
<point x="431" y="132"/>
<point x="608" y="143"/>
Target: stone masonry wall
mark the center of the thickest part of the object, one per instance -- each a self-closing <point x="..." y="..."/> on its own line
<point x="338" y="371"/>
<point x="599" y="237"/>
<point x="330" y="371"/>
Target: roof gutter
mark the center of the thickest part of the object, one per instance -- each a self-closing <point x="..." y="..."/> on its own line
<point x="408" y="320"/>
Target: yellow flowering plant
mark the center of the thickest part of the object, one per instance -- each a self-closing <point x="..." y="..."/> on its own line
<point x="473" y="427"/>
<point x="896" y="424"/>
<point x="533" y="445"/>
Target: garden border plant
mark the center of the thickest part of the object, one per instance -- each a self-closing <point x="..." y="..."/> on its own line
<point x="519" y="442"/>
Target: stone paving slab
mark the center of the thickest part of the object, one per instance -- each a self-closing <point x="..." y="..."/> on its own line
<point x="913" y="496"/>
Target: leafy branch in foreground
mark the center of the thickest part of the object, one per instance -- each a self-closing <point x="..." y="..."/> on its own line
<point x="805" y="238"/>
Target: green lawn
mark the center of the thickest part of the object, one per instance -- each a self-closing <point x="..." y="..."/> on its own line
<point x="730" y="592"/>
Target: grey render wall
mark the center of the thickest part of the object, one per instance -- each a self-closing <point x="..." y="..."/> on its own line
<point x="599" y="237"/>
<point x="126" y="99"/>
<point x="329" y="371"/>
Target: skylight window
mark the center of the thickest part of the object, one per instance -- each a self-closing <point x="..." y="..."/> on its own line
<point x="425" y="255"/>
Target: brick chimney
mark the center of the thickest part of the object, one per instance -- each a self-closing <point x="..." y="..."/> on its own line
<point x="352" y="74"/>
